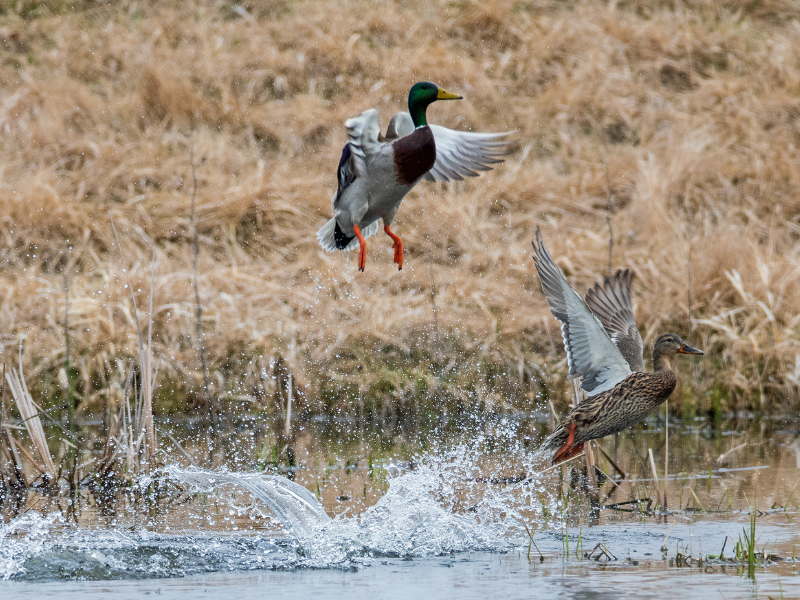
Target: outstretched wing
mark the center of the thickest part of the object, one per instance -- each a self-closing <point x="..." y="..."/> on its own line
<point x="612" y="304"/>
<point x="459" y="154"/>
<point x="346" y="173"/>
<point x="590" y="352"/>
<point x="362" y="134"/>
<point x="462" y="154"/>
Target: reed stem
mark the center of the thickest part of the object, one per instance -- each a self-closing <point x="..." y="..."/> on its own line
<point x="655" y="478"/>
<point x="212" y="408"/>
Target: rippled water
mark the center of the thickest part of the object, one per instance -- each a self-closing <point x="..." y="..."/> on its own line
<point x="446" y="511"/>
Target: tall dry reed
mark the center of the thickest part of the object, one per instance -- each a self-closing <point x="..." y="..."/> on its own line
<point x="686" y="113"/>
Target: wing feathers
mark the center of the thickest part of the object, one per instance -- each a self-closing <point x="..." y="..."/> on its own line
<point x="362" y="142"/>
<point x="612" y="304"/>
<point x="462" y="154"/>
<point x="590" y="352"/>
<point x="363" y="132"/>
<point x="459" y="154"/>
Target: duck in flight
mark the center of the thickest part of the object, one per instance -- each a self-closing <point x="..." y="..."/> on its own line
<point x="605" y="349"/>
<point x="377" y="171"/>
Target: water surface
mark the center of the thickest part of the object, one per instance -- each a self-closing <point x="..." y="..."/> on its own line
<point x="444" y="510"/>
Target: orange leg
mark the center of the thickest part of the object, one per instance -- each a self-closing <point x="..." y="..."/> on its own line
<point x="362" y="252"/>
<point x="568" y="450"/>
<point x="398" y="247"/>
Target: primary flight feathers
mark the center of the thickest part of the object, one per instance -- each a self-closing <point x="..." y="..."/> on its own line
<point x="591" y="354"/>
<point x="611" y="303"/>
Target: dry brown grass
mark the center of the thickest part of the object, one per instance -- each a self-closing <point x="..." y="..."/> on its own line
<point x="687" y="112"/>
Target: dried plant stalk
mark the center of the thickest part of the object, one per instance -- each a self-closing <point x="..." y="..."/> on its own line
<point x="29" y="411"/>
<point x="646" y="139"/>
<point x="655" y="478"/>
<point x="212" y="408"/>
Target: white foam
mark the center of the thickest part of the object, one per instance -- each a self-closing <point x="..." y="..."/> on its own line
<point x="22" y="536"/>
<point x="442" y="506"/>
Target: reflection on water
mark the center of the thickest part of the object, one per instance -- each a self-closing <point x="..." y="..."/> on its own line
<point x="456" y="487"/>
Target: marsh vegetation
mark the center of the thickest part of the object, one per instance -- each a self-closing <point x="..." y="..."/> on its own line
<point x="164" y="167"/>
<point x="670" y="129"/>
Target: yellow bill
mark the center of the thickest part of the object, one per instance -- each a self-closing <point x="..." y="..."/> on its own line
<point x="442" y="95"/>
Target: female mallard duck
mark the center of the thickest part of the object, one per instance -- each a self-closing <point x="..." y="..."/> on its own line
<point x="376" y="172"/>
<point x="607" y="354"/>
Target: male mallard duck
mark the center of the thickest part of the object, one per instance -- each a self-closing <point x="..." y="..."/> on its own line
<point x="607" y="354"/>
<point x="375" y="172"/>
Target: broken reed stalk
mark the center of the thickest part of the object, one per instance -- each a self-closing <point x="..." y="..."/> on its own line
<point x="11" y="476"/>
<point x="696" y="499"/>
<point x="31" y="460"/>
<point x="127" y="434"/>
<point x="721" y="460"/>
<point x="29" y="411"/>
<point x="553" y="415"/>
<point x="127" y="423"/>
<point x="198" y="307"/>
<point x="562" y="463"/>
<point x="666" y="451"/>
<point x="664" y="545"/>
<point x="609" y="208"/>
<point x="590" y="468"/>
<point x="12" y="468"/>
<point x="106" y="463"/>
<point x="437" y="349"/>
<point x="147" y="386"/>
<point x="143" y="400"/>
<point x="113" y="425"/>
<point x="72" y="457"/>
<point x="287" y="379"/>
<point x="287" y="422"/>
<point x="611" y="481"/>
<point x="655" y="477"/>
<point x="610" y="460"/>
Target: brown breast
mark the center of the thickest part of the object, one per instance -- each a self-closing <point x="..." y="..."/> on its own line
<point x="414" y="155"/>
<point x="630" y="402"/>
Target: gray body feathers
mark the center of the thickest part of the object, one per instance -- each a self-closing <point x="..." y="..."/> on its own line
<point x="371" y="179"/>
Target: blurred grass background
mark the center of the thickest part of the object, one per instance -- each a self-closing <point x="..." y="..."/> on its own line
<point x="673" y="125"/>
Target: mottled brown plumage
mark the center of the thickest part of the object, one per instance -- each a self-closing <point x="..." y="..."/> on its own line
<point x="414" y="155"/>
<point x="618" y="397"/>
<point x="629" y="403"/>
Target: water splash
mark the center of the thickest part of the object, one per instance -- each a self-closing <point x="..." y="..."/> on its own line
<point x="448" y="503"/>
<point x="296" y="508"/>
<point x="407" y="521"/>
<point x="444" y="505"/>
<point x="28" y="532"/>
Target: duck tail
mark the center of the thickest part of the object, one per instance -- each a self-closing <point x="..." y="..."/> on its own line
<point x="325" y="235"/>
<point x="553" y="443"/>
<point x="555" y="440"/>
<point x="331" y="237"/>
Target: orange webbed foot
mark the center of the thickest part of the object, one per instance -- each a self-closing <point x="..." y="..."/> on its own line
<point x="569" y="448"/>
<point x="398" y="247"/>
<point x="362" y="251"/>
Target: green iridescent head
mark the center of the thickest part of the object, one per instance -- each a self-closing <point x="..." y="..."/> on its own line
<point x="423" y="94"/>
